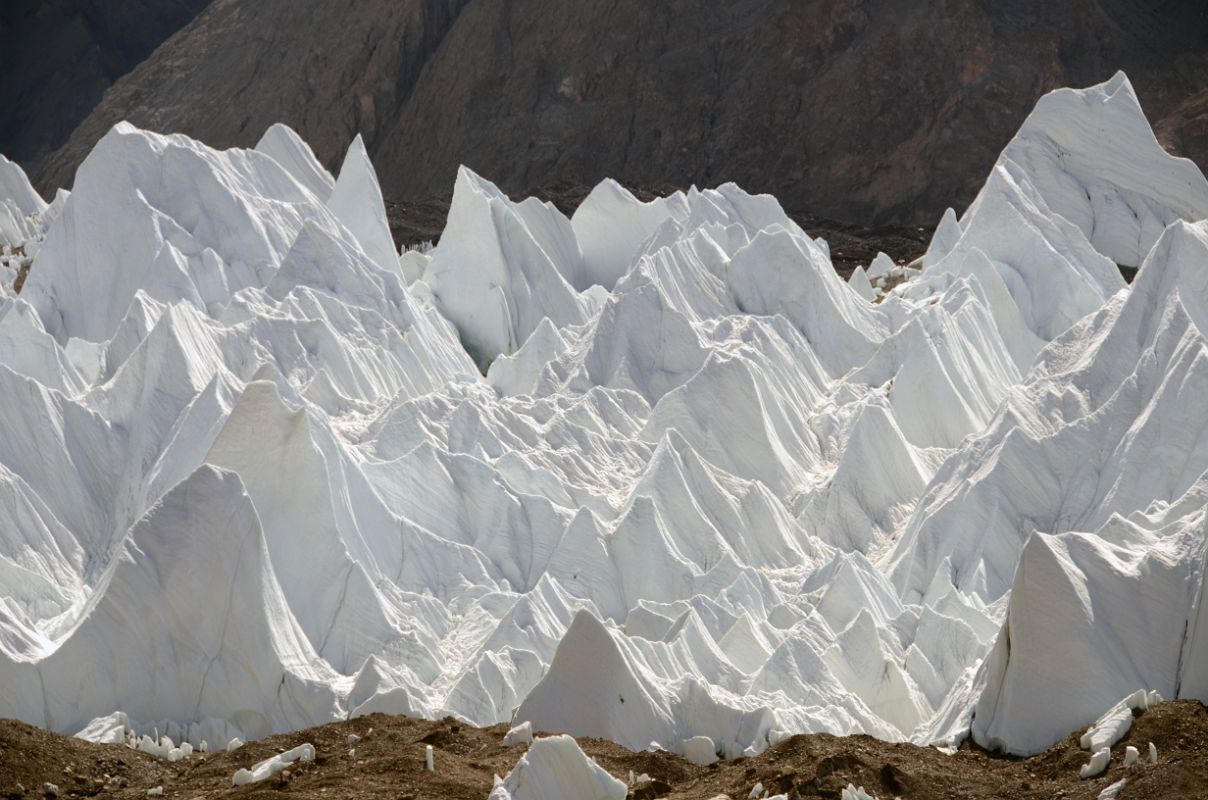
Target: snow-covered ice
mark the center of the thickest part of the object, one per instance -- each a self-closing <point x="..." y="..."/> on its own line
<point x="1131" y="755"/>
<point x="1097" y="764"/>
<point x="521" y="734"/>
<point x="653" y="473"/>
<point x="699" y="750"/>
<point x="555" y="768"/>
<point x="273" y="764"/>
<point x="1117" y="720"/>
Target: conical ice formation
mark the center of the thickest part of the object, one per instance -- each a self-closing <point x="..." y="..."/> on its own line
<point x="654" y="473"/>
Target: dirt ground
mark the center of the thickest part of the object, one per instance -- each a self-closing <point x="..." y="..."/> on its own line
<point x="388" y="763"/>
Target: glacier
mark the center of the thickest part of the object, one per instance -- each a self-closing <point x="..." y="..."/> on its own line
<point x="653" y="472"/>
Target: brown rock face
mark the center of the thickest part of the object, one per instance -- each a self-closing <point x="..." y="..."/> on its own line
<point x="328" y="68"/>
<point x="59" y="56"/>
<point x="869" y="111"/>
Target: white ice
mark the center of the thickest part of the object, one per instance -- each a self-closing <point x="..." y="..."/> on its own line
<point x="653" y="473"/>
<point x="1096" y="765"/>
<point x="274" y="764"/>
<point x="554" y="768"/>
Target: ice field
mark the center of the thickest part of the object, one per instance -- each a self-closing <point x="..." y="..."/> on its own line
<point x="651" y="473"/>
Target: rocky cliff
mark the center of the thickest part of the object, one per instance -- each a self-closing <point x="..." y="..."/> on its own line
<point x="868" y="111"/>
<point x="59" y="56"/>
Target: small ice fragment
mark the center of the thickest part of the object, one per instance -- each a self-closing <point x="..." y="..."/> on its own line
<point x="353" y="738"/>
<point x="1097" y="764"/>
<point x="699" y="750"/>
<point x="274" y="764"/>
<point x="234" y="744"/>
<point x="1153" y="753"/>
<point x="429" y="763"/>
<point x="1131" y="754"/>
<point x="521" y="734"/>
<point x="158" y="791"/>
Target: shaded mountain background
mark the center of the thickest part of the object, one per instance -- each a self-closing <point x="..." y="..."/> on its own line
<point x="865" y="111"/>
<point x="58" y="56"/>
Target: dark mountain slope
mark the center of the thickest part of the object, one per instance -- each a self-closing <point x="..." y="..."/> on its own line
<point x="59" y="56"/>
<point x="869" y="111"/>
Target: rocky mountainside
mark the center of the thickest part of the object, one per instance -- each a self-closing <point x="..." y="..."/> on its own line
<point x="861" y="110"/>
<point x="61" y="55"/>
